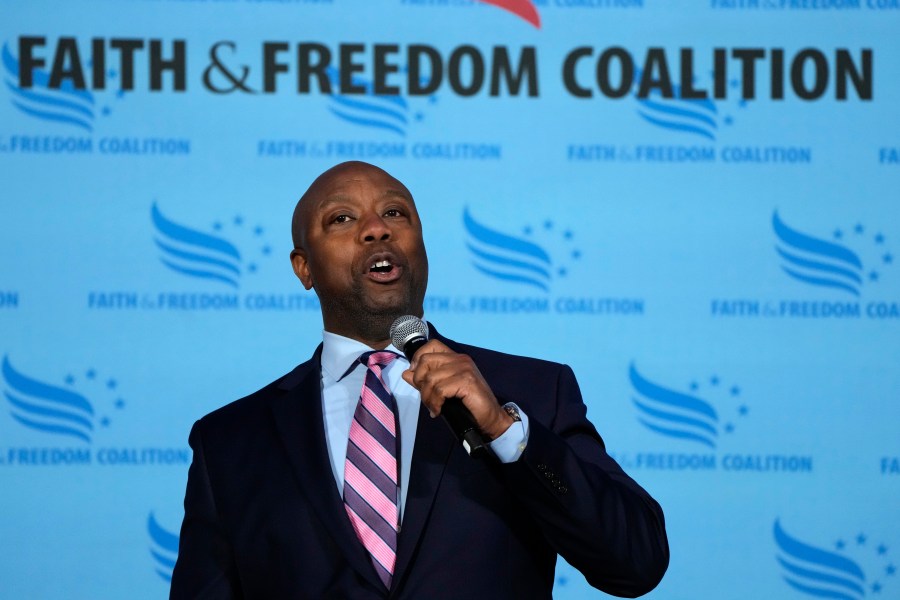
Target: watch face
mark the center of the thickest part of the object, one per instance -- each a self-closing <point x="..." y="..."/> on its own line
<point x="512" y="411"/>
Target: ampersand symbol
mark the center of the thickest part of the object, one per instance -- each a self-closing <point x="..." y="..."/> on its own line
<point x="216" y="64"/>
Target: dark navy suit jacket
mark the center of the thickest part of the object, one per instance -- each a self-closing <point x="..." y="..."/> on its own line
<point x="264" y="519"/>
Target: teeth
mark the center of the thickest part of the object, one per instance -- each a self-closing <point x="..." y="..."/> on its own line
<point x="381" y="263"/>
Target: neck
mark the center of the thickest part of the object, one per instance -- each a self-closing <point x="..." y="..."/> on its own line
<point x="373" y="330"/>
<point x="373" y="342"/>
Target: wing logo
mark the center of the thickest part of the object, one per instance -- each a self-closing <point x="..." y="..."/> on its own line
<point x="672" y="413"/>
<point x="686" y="416"/>
<point x="163" y="548"/>
<point x="196" y="254"/>
<point x="696" y="117"/>
<point x="524" y="9"/>
<point x="55" y="409"/>
<point x="513" y="258"/>
<point x="385" y="112"/>
<point x="693" y="116"/>
<point x="818" y="572"/>
<point x="63" y="104"/>
<point x="816" y="261"/>
<point x="45" y="407"/>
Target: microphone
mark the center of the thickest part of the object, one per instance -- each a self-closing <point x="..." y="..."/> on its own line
<point x="409" y="333"/>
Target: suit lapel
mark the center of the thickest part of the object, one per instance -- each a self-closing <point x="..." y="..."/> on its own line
<point x="431" y="451"/>
<point x="434" y="441"/>
<point x="299" y="420"/>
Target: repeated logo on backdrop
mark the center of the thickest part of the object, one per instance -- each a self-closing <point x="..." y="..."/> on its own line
<point x="692" y="427"/>
<point x="57" y="421"/>
<point x="852" y="567"/>
<point x="202" y="255"/>
<point x="835" y="274"/>
<point x="55" y="409"/>
<point x="208" y="266"/>
<point x="526" y="272"/>
<point x="70" y="119"/>
<point x="379" y="126"/>
<point x="695" y="116"/>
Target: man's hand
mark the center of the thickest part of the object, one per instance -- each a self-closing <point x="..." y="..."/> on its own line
<point x="440" y="373"/>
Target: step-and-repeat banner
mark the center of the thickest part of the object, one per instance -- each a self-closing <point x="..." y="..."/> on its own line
<point x="694" y="203"/>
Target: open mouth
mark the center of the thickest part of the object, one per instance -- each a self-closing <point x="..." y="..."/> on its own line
<point x="383" y="270"/>
<point x="381" y="266"/>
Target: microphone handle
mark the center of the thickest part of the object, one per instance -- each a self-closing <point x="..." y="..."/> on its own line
<point x="461" y="423"/>
<point x="454" y="412"/>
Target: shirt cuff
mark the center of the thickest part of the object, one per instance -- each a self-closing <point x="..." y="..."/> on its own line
<point x="511" y="443"/>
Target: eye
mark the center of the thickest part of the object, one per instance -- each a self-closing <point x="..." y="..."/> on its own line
<point x="341" y="218"/>
<point x="393" y="212"/>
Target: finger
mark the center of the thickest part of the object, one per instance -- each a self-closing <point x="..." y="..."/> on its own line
<point x="436" y="358"/>
<point x="430" y="347"/>
<point x="407" y="376"/>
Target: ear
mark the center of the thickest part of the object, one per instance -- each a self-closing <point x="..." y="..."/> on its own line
<point x="301" y="267"/>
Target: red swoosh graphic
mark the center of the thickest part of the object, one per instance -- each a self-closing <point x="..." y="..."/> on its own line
<point x="522" y="8"/>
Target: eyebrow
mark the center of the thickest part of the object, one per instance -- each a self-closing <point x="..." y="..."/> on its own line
<point x="338" y="198"/>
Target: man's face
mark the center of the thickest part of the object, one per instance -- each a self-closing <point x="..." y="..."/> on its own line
<point x="361" y="248"/>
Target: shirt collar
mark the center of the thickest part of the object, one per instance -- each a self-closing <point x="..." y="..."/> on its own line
<point x="339" y="352"/>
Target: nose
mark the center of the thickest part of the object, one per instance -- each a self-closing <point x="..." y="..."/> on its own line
<point x="374" y="228"/>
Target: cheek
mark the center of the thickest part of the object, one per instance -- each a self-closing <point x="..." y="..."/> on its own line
<point x="332" y="267"/>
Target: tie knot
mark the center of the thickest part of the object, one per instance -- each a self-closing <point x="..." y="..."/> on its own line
<point x="377" y="358"/>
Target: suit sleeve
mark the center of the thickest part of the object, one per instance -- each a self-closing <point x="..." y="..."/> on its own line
<point x="205" y="567"/>
<point x="595" y="516"/>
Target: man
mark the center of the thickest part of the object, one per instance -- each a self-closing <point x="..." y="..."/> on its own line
<point x="337" y="480"/>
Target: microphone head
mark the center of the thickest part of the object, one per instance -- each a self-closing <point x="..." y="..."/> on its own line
<point x="406" y="328"/>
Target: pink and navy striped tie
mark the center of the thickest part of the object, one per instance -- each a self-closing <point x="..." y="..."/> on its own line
<point x="371" y="490"/>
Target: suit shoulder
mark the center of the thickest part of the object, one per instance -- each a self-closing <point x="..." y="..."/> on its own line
<point x="253" y="406"/>
<point x="500" y="360"/>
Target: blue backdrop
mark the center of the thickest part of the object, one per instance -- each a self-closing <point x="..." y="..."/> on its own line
<point x="693" y="203"/>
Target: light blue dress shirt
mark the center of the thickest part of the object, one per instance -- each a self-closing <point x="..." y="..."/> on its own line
<point x="340" y="397"/>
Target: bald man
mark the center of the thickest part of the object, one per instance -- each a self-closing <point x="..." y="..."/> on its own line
<point x="338" y="480"/>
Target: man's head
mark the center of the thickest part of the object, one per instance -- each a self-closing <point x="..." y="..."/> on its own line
<point x="358" y="243"/>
